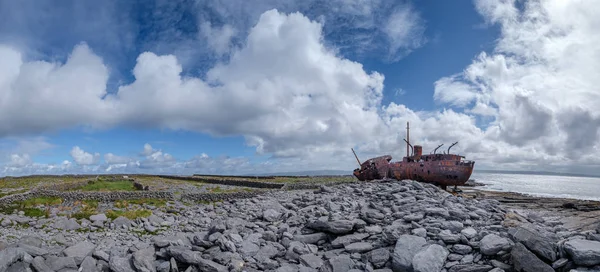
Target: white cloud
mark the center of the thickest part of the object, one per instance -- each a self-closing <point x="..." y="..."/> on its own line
<point x="404" y="29"/>
<point x="19" y="160"/>
<point x="50" y="96"/>
<point x="148" y="150"/>
<point x="111" y="158"/>
<point x="84" y="158"/>
<point x="293" y="96"/>
<point x="218" y="38"/>
<point x="539" y="84"/>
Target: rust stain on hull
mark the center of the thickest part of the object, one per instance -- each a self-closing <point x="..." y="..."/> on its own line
<point x="439" y="169"/>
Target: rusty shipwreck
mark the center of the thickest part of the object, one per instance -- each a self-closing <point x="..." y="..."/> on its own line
<point x="443" y="170"/>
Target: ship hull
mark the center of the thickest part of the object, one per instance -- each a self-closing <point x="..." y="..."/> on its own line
<point x="442" y="173"/>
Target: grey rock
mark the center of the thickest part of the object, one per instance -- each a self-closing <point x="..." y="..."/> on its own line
<point x="187" y="256"/>
<point x="101" y="255"/>
<point x="39" y="264"/>
<point x="269" y="251"/>
<point x="441" y="212"/>
<point x="404" y="251"/>
<point x="560" y="263"/>
<point x="143" y="260"/>
<point x="492" y="244"/>
<point x="524" y="260"/>
<point x="121" y="222"/>
<point x="413" y="217"/>
<point x="311" y="260"/>
<point x="19" y="267"/>
<point x="210" y="266"/>
<point x="89" y="264"/>
<point x="500" y="265"/>
<point x="453" y="226"/>
<point x="497" y="270"/>
<point x="66" y="224"/>
<point x="470" y="268"/>
<point x="10" y="256"/>
<point x="448" y="237"/>
<point x="287" y="267"/>
<point x="312" y="238"/>
<point x="335" y="227"/>
<point x="455" y="257"/>
<point x="176" y="240"/>
<point x="583" y="252"/>
<point x="462" y="249"/>
<point x="271" y="215"/>
<point x="31" y="240"/>
<point x="469" y="232"/>
<point x="421" y="232"/>
<point x="60" y="239"/>
<point x="80" y="250"/>
<point x="342" y="241"/>
<point x="121" y="264"/>
<point x="183" y="254"/>
<point x="375" y="229"/>
<point x="378" y="257"/>
<point x="430" y="258"/>
<point x="98" y="217"/>
<point x="173" y="263"/>
<point x="450" y="264"/>
<point x="359" y="247"/>
<point x="33" y="250"/>
<point x="58" y="263"/>
<point x="163" y="267"/>
<point x="539" y="244"/>
<point x="340" y="263"/>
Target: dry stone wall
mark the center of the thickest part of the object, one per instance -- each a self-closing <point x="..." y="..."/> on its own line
<point x="212" y="197"/>
<point x="244" y="183"/>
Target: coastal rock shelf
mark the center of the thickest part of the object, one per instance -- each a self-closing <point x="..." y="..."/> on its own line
<point x="375" y="226"/>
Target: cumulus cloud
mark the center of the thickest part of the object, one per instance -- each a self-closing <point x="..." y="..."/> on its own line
<point x="84" y="158"/>
<point x="49" y="96"/>
<point x="111" y="158"/>
<point x="19" y="160"/>
<point x="530" y="102"/>
<point x="539" y="82"/>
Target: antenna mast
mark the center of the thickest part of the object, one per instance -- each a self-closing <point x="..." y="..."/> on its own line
<point x="407" y="138"/>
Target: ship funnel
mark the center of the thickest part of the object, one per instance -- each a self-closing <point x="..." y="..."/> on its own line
<point x="418" y="152"/>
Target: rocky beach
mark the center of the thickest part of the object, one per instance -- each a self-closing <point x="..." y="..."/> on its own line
<point x="347" y="226"/>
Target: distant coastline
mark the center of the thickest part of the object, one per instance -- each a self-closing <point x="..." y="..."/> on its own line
<point x="545" y="173"/>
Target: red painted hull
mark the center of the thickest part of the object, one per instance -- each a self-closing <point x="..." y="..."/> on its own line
<point x="439" y="169"/>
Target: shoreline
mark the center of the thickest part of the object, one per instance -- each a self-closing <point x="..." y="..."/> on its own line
<point x="574" y="214"/>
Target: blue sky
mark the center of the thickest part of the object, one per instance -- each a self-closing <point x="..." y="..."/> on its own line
<point x="171" y="74"/>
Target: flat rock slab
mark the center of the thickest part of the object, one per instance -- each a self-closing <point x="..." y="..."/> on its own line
<point x="524" y="260"/>
<point x="583" y="252"/>
<point x="492" y="244"/>
<point x="80" y="250"/>
<point x="406" y="248"/>
<point x="542" y="246"/>
<point x="430" y="258"/>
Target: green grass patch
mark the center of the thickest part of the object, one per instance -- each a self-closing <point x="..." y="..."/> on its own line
<point x="108" y="186"/>
<point x="90" y="204"/>
<point x="129" y="214"/>
<point x="34" y="212"/>
<point x="43" y="200"/>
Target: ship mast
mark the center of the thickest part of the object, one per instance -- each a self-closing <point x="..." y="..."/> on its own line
<point x="407" y="139"/>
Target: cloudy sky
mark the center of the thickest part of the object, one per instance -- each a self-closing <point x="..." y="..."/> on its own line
<point x="274" y="86"/>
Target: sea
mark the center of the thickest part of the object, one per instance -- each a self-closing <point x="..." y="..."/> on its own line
<point x="587" y="188"/>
